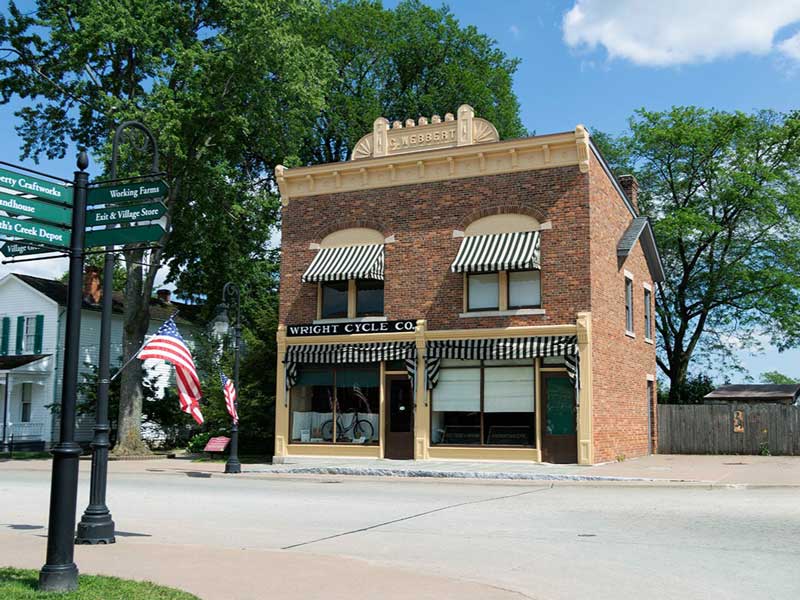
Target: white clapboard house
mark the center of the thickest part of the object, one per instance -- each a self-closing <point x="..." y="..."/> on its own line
<point x="32" y="323"/>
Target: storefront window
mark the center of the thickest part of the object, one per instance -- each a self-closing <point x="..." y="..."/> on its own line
<point x="369" y="298"/>
<point x="484" y="403"/>
<point x="331" y="405"/>
<point x="334" y="299"/>
<point x="483" y="292"/>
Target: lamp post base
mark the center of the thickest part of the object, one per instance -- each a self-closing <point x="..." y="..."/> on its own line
<point x="233" y="466"/>
<point x="95" y="529"/>
<point x="58" y="578"/>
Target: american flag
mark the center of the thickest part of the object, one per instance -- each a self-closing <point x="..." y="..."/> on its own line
<point x="167" y="344"/>
<point x="229" y="391"/>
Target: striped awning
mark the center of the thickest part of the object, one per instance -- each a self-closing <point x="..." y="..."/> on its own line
<point x="498" y="252"/>
<point x="502" y="349"/>
<point x="334" y="354"/>
<point x="347" y="262"/>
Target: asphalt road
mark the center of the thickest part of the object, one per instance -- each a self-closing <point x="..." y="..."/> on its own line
<point x="545" y="542"/>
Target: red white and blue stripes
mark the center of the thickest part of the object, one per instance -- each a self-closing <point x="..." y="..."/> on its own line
<point x="229" y="391"/>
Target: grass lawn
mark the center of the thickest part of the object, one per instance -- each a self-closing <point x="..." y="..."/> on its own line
<point x="20" y="584"/>
<point x="26" y="455"/>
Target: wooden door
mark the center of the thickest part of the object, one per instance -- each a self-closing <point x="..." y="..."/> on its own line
<point x="559" y="434"/>
<point x="399" y="438"/>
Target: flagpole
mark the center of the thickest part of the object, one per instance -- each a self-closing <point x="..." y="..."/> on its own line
<point x="232" y="290"/>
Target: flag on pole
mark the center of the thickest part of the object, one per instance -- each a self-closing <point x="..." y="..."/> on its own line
<point x="229" y="391"/>
<point x="167" y="344"/>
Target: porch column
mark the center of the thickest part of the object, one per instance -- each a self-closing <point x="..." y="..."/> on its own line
<point x="281" y="399"/>
<point x="422" y="412"/>
<point x="585" y="445"/>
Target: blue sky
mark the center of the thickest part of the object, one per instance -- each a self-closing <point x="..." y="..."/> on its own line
<point x="596" y="61"/>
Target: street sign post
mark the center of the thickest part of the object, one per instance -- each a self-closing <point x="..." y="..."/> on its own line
<point x="12" y="249"/>
<point x="36" y="232"/>
<point x="28" y="184"/>
<point x="128" y="192"/>
<point x="126" y="214"/>
<point x="124" y="235"/>
<point x="35" y="209"/>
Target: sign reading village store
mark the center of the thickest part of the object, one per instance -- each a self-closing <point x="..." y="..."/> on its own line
<point x="406" y="325"/>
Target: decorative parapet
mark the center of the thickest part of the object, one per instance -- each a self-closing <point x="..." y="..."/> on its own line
<point x="424" y="135"/>
<point x="466" y="147"/>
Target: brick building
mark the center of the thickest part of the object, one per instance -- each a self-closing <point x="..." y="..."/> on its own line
<point x="445" y="294"/>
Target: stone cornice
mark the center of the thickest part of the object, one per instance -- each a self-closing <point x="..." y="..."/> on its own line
<point x="524" y="154"/>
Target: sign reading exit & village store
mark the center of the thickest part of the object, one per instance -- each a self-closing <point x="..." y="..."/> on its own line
<point x="406" y="325"/>
<point x="126" y="214"/>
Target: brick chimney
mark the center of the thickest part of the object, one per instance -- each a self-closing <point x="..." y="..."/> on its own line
<point x="164" y="295"/>
<point x="92" y="290"/>
<point x="631" y="188"/>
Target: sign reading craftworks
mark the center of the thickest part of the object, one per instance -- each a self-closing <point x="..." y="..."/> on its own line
<point x="406" y="325"/>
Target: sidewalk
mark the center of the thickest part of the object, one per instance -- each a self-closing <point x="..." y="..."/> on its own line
<point x="655" y="469"/>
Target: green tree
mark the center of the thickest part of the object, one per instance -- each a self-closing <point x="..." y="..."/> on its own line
<point x="692" y="391"/>
<point x="230" y="89"/>
<point x="402" y="63"/>
<point x="777" y="378"/>
<point x="724" y="192"/>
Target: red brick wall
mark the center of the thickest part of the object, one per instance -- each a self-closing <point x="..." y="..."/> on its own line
<point x="419" y="284"/>
<point x="620" y="364"/>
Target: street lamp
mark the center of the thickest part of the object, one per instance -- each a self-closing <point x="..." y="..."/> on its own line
<point x="220" y="328"/>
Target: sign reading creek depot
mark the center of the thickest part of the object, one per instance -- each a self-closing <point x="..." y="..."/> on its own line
<point x="351" y="327"/>
<point x="20" y="182"/>
<point x="36" y="232"/>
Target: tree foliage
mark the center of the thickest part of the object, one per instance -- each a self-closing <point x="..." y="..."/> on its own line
<point x="724" y="193"/>
<point x="777" y="378"/>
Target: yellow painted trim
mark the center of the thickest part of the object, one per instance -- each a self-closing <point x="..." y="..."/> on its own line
<point x="382" y="409"/>
<point x="333" y="450"/>
<point x="498" y="332"/>
<point x="281" y="404"/>
<point x="526" y="154"/>
<point x="537" y="405"/>
<point x="422" y="408"/>
<point x="585" y="440"/>
<point x="351" y="298"/>
<point x="350" y="339"/>
<point x="484" y="453"/>
<point x="319" y="300"/>
<point x="502" y="283"/>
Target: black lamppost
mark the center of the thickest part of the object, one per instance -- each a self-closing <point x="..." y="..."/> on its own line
<point x="221" y="325"/>
<point x="60" y="573"/>
<point x="96" y="525"/>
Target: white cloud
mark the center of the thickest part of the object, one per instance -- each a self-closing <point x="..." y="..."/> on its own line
<point x="791" y="47"/>
<point x="514" y="29"/>
<point x="675" y="32"/>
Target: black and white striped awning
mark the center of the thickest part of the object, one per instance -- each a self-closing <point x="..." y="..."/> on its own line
<point x="347" y="262"/>
<point x="334" y="354"/>
<point x="502" y="349"/>
<point x="498" y="252"/>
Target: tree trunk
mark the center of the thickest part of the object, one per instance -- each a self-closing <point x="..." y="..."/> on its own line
<point x="678" y="368"/>
<point x="135" y="323"/>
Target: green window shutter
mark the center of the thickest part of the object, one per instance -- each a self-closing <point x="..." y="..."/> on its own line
<point x="20" y="333"/>
<point x="5" y="335"/>
<point x="37" y="339"/>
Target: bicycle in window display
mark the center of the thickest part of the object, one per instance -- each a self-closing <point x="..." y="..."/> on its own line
<point x="361" y="429"/>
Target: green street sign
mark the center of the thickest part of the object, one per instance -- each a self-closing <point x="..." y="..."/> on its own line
<point x="125" y="235"/>
<point x="28" y="184"/>
<point x="128" y="192"/>
<point x="10" y="249"/>
<point x="36" y="209"/>
<point x="34" y="231"/>
<point x="125" y="214"/>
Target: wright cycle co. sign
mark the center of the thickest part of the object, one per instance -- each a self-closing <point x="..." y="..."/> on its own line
<point x="351" y="327"/>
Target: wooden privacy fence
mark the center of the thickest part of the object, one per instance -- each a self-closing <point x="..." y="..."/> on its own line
<point x="728" y="429"/>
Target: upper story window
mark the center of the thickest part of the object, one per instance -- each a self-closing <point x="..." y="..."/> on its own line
<point x="628" y="304"/>
<point x="648" y="314"/>
<point x="29" y="336"/>
<point x="500" y="259"/>
<point x="349" y="270"/>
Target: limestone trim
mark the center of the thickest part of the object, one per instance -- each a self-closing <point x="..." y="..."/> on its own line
<point x="585" y="427"/>
<point x="529" y="154"/>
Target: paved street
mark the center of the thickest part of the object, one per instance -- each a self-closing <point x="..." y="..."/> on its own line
<point x="346" y="537"/>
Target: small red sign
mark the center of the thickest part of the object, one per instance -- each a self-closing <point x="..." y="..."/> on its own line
<point x="217" y="444"/>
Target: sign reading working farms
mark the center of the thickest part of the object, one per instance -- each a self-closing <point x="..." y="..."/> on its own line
<point x="125" y="214"/>
<point x="125" y="235"/>
<point x="128" y="192"/>
<point x="11" y="249"/>
<point x="36" y="232"/>
<point x="36" y="209"/>
<point x="27" y="184"/>
<point x="314" y="329"/>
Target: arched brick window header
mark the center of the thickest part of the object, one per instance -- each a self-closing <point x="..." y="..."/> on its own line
<point x="505" y="209"/>
<point x="329" y="228"/>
